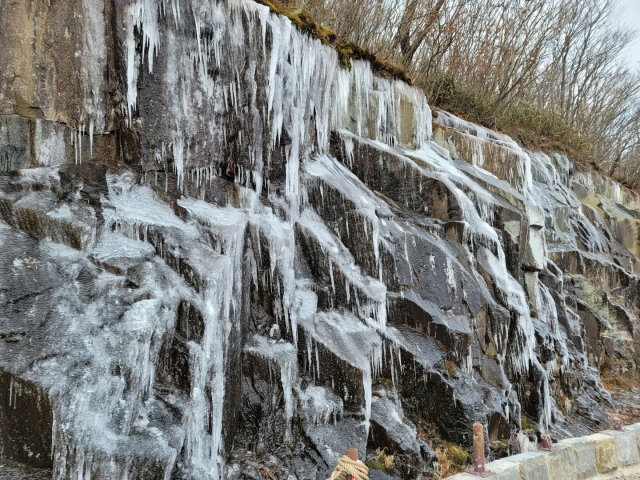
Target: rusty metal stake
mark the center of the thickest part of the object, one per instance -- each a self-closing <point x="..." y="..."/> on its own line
<point x="546" y="443"/>
<point x="478" y="452"/>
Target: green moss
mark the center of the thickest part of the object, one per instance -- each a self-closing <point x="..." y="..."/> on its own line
<point x="527" y="424"/>
<point x="457" y="455"/>
<point x="375" y="464"/>
<point x="452" y="459"/>
<point x="450" y="367"/>
<point x="504" y="444"/>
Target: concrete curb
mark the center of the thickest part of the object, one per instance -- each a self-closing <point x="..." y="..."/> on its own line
<point x="605" y="455"/>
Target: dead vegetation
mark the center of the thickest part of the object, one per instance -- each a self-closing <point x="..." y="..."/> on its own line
<point x="618" y="383"/>
<point x="452" y="458"/>
<point x="382" y="461"/>
<point x="625" y="393"/>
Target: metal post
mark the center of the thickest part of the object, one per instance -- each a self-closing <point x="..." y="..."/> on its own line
<point x="617" y="425"/>
<point x="546" y="443"/>
<point x="478" y="452"/>
<point x="352" y="453"/>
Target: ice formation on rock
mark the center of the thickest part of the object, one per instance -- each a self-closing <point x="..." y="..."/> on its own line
<point x="249" y="248"/>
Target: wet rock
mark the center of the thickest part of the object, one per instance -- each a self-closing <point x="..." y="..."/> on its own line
<point x="25" y="421"/>
<point x="390" y="432"/>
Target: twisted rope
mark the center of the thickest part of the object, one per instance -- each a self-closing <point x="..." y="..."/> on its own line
<point x="347" y="466"/>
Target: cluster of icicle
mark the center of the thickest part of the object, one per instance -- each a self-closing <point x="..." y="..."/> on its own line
<point x="308" y="95"/>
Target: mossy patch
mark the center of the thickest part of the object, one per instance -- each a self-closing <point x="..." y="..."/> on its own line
<point x="452" y="459"/>
<point x="450" y="367"/>
<point x="382" y="460"/>
<point x="526" y="424"/>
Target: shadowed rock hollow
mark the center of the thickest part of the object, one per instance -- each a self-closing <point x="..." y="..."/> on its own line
<point x="223" y="252"/>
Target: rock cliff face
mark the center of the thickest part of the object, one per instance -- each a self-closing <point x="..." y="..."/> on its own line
<point x="222" y="253"/>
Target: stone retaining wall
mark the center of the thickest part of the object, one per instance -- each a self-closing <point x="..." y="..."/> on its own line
<point x="606" y="455"/>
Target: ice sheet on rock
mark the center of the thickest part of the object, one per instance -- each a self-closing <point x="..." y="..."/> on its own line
<point x="389" y="415"/>
<point x="280" y="274"/>
<point x="133" y="207"/>
<point x="547" y="312"/>
<point x="305" y="306"/>
<point x="424" y="349"/>
<point x="601" y="185"/>
<point x="449" y="120"/>
<point x="494" y="262"/>
<point x="225" y="223"/>
<point x="49" y="143"/>
<point x="133" y="210"/>
<point x="40" y="213"/>
<point x="511" y="166"/>
<point x="350" y="340"/>
<point x="553" y="196"/>
<point x="208" y="359"/>
<point x="38" y="201"/>
<point x="37" y="178"/>
<point x="373" y="310"/>
<point x="285" y="356"/>
<point x="435" y="162"/>
<point x="343" y="180"/>
<point x="95" y="413"/>
<point x="319" y="404"/>
<point x="379" y="108"/>
<point x="467" y="179"/>
<point x="370" y="207"/>
<point x="119" y="251"/>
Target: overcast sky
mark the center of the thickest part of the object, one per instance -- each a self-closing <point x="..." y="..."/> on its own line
<point x="630" y="12"/>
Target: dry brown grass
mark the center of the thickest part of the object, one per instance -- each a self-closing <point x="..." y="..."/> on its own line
<point x="618" y="383"/>
<point x="387" y="460"/>
<point x="620" y="388"/>
<point x="383" y="460"/>
<point x="452" y="459"/>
